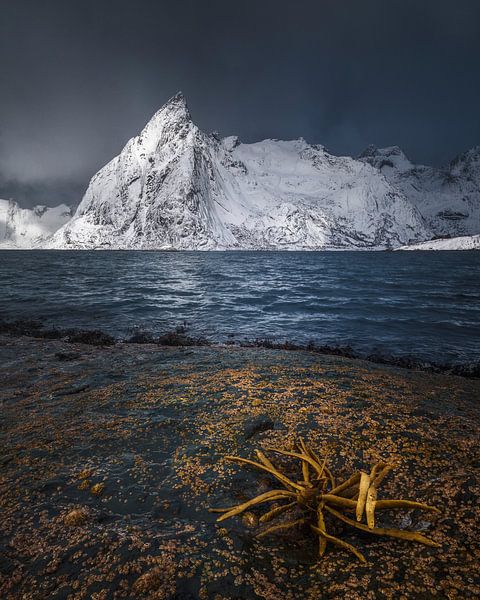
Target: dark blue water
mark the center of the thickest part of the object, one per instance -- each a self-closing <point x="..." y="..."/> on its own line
<point x="424" y="304"/>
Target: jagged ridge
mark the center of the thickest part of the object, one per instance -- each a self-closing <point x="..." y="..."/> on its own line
<point x="448" y="198"/>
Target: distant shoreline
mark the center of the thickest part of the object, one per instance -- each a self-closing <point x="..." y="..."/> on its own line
<point x="423" y="247"/>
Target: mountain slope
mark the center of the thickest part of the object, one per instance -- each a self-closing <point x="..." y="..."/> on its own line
<point x="29" y="228"/>
<point x="448" y="198"/>
<point x="175" y="187"/>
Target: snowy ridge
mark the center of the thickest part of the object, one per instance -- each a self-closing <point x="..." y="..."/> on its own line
<point x="29" y="228"/>
<point x="175" y="187"/>
<point x="448" y="198"/>
<point x="467" y="242"/>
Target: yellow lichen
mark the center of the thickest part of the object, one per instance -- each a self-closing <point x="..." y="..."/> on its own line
<point x="85" y="473"/>
<point x="77" y="516"/>
<point x="97" y="489"/>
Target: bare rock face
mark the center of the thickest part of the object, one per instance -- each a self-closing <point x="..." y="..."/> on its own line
<point x="175" y="187"/>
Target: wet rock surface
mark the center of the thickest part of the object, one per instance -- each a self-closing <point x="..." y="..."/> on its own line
<point x="111" y="458"/>
<point x="258" y="424"/>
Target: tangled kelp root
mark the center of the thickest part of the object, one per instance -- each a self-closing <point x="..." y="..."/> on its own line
<point x="318" y="495"/>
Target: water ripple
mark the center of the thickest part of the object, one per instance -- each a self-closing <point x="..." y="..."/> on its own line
<point x="422" y="304"/>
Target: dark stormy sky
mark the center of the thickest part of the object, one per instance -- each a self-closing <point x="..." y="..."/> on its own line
<point x="78" y="78"/>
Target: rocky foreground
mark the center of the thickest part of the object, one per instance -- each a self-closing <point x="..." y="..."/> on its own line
<point x="111" y="457"/>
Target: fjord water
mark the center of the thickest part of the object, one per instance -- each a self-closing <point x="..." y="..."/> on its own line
<point x="422" y="304"/>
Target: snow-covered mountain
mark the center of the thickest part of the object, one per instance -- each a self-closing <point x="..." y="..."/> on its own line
<point x="448" y="198"/>
<point x="466" y="242"/>
<point x="29" y="227"/>
<point x="175" y="187"/>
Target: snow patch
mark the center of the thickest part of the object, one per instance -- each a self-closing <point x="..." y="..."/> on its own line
<point x="467" y="242"/>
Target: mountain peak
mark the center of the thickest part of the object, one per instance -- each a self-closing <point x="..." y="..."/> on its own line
<point x="178" y="98"/>
<point x="370" y="150"/>
<point x="174" y="109"/>
<point x="472" y="153"/>
<point x="467" y="162"/>
<point x="391" y="157"/>
<point x="172" y="118"/>
<point x="373" y="150"/>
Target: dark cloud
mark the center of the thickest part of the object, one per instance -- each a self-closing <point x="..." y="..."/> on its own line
<point x="79" y="77"/>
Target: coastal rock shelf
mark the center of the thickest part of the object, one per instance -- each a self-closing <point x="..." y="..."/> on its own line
<point x="111" y="458"/>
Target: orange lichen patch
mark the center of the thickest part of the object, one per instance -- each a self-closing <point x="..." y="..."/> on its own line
<point x="85" y="473"/>
<point x="97" y="489"/>
<point x="149" y="582"/>
<point x="159" y="582"/>
<point x="84" y="485"/>
<point x="77" y="516"/>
